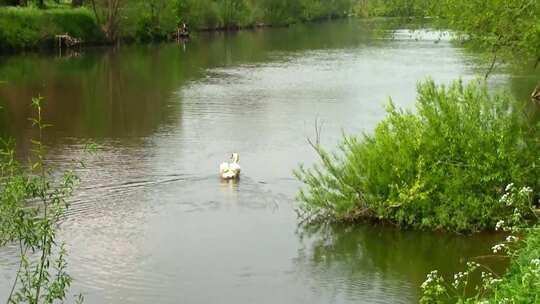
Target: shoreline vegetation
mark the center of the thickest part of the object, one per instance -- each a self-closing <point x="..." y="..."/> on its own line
<point x="26" y="25"/>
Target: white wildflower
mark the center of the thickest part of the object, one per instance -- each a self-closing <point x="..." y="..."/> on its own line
<point x="498" y="247"/>
<point x="504" y="199"/>
<point x="499" y="225"/>
<point x="430" y="278"/>
<point x="511" y="238"/>
<point x="535" y="262"/>
<point x="509" y="187"/>
<point x="472" y="265"/>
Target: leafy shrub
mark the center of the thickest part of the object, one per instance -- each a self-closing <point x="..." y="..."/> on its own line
<point x="443" y="167"/>
<point x="32" y="201"/>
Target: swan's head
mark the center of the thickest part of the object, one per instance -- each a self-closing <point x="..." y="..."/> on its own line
<point x="235" y="158"/>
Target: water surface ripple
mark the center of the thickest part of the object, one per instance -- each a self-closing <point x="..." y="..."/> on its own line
<point x="152" y="222"/>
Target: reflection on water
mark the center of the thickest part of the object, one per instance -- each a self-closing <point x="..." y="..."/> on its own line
<point x="364" y="261"/>
<point x="153" y="220"/>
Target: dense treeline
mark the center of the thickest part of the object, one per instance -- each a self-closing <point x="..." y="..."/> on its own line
<point x="32" y="23"/>
<point x="239" y="13"/>
<point x="499" y="26"/>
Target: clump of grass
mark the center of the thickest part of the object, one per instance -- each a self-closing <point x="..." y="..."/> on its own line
<point x="441" y="167"/>
<point x="31" y="27"/>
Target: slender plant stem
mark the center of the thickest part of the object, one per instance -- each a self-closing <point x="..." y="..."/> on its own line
<point x="23" y="254"/>
<point x="43" y="195"/>
<point x="493" y="61"/>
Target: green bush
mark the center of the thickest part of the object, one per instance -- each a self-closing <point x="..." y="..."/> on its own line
<point x="28" y="27"/>
<point x="443" y="167"/>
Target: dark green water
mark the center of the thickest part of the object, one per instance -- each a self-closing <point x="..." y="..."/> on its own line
<point x="152" y="221"/>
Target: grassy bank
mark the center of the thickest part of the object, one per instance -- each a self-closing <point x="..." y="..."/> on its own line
<point x="444" y="166"/>
<point x="22" y="28"/>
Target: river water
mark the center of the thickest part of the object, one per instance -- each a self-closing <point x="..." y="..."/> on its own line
<point x="152" y="222"/>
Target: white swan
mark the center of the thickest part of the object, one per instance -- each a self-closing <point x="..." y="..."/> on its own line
<point x="230" y="170"/>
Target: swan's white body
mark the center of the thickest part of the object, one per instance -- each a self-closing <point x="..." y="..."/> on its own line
<point x="230" y="170"/>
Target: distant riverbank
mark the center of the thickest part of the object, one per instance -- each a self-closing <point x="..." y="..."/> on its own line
<point x="30" y="28"/>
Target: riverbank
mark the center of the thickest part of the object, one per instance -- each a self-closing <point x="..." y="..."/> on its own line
<point x="24" y="28"/>
<point x="31" y="28"/>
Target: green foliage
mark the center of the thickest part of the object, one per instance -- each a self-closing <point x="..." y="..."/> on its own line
<point x="32" y="201"/>
<point x="442" y="167"/>
<point x="508" y="26"/>
<point x="201" y="14"/>
<point x="156" y="22"/>
<point x="29" y="27"/>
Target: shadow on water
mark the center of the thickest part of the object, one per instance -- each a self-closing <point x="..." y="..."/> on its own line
<point x="356" y="261"/>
